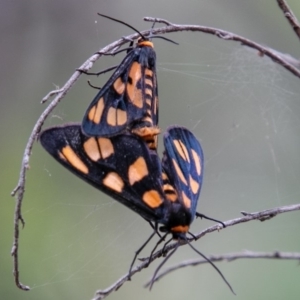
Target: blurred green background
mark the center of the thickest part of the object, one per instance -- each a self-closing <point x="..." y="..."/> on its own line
<point x="243" y="108"/>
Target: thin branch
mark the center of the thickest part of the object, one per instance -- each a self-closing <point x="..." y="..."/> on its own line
<point x="290" y="16"/>
<point x="229" y="258"/>
<point x="261" y="215"/>
<point x="52" y="93"/>
<point x="229" y="36"/>
<point x="60" y="93"/>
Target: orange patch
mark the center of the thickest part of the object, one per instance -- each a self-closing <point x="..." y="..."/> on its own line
<point x="164" y="176"/>
<point x="148" y="92"/>
<point x="91" y="148"/>
<point x="179" y="172"/>
<point x="148" y="72"/>
<point x="92" y="113"/>
<point x="197" y="161"/>
<point x="134" y="94"/>
<point x="74" y="160"/>
<point x="146" y="43"/>
<point x="147" y="119"/>
<point x="137" y="171"/>
<point x="149" y="82"/>
<point x="186" y="200"/>
<point x="155" y="104"/>
<point x="119" y="86"/>
<point x="146" y="131"/>
<point x="106" y="147"/>
<point x="152" y="199"/>
<point x="171" y="195"/>
<point x="114" y="182"/>
<point x="121" y="117"/>
<point x="116" y="116"/>
<point x="180" y="228"/>
<point x="181" y="149"/>
<point x="96" y="111"/>
<point x="194" y="185"/>
<point x="168" y="187"/>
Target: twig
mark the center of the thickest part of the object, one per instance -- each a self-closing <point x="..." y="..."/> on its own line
<point x="290" y="16"/>
<point x="262" y="215"/>
<point x="229" y="258"/>
<point x="60" y="93"/>
<point x="52" y="93"/>
<point x="226" y="35"/>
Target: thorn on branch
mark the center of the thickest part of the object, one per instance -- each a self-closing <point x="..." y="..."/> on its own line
<point x="15" y="190"/>
<point x="224" y="35"/>
<point x="50" y="94"/>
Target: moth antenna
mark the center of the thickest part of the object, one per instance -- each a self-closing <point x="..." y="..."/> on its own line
<point x="212" y="264"/>
<point x="124" y="23"/>
<point x="164" y="38"/>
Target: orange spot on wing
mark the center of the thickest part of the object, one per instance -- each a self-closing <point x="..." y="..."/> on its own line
<point x="137" y="171"/>
<point x="148" y="92"/>
<point x="148" y="72"/>
<point x="91" y="113"/>
<point x="114" y="182"/>
<point x="91" y="149"/>
<point x="152" y="199"/>
<point x="121" y="117"/>
<point x="171" y="197"/>
<point x="116" y="116"/>
<point x="148" y="119"/>
<point x="168" y="187"/>
<point x="194" y="185"/>
<point x="149" y="82"/>
<point x="96" y="111"/>
<point x="74" y="160"/>
<point x="186" y="200"/>
<point x="106" y="147"/>
<point x="197" y="162"/>
<point x="179" y="172"/>
<point x="164" y="176"/>
<point x="155" y="105"/>
<point x="181" y="149"/>
<point x="119" y="86"/>
<point x="170" y="192"/>
<point x="135" y="94"/>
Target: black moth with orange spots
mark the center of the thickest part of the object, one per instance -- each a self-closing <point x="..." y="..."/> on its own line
<point x="128" y="101"/>
<point x="126" y="169"/>
<point x="114" y="150"/>
<point x="162" y="192"/>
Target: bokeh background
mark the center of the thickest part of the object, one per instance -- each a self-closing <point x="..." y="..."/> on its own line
<point x="243" y="108"/>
